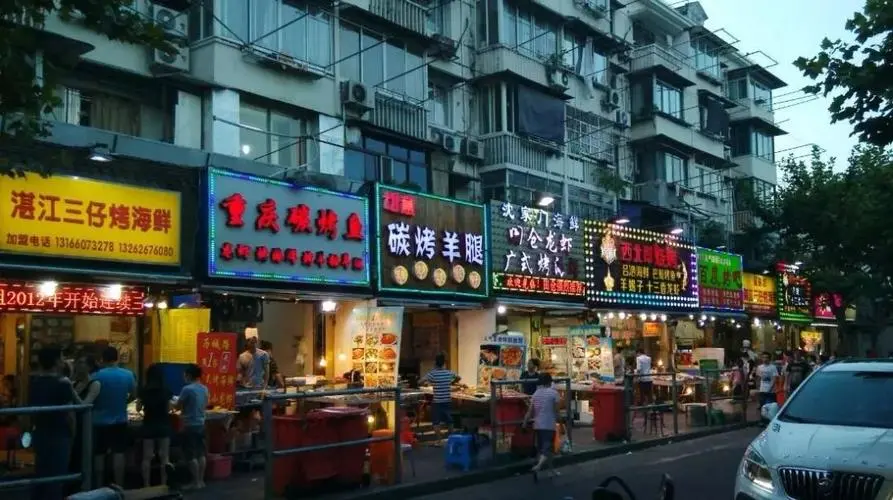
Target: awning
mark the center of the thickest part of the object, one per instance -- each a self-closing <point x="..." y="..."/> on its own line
<point x="429" y="303"/>
<point x="285" y="293"/>
<point x="723" y="314"/>
<point x="154" y="277"/>
<point x="550" y="304"/>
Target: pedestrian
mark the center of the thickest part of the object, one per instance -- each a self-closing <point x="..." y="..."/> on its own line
<point x="643" y="372"/>
<point x="275" y="378"/>
<point x="52" y="432"/>
<point x="254" y="366"/>
<point x="87" y="389"/>
<point x="543" y="414"/>
<point x="155" y="403"/>
<point x="193" y="404"/>
<point x="441" y="380"/>
<point x="531" y="375"/>
<point x="765" y="374"/>
<point x="796" y="372"/>
<point x="110" y="431"/>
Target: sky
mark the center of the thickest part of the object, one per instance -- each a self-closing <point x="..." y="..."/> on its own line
<point x="786" y="30"/>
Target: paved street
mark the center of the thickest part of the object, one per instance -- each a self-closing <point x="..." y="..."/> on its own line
<point x="702" y="468"/>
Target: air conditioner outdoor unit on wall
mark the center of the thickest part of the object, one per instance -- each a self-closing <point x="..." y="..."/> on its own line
<point x="357" y="97"/>
<point x="174" y="24"/>
<point x="473" y="149"/>
<point x="612" y="100"/>
<point x="622" y="118"/>
<point x="558" y="79"/>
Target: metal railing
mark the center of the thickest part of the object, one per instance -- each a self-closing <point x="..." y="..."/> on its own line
<point x="269" y="440"/>
<point x="495" y="424"/>
<point x="507" y="148"/>
<point x="86" y="474"/>
<point x="647" y="56"/>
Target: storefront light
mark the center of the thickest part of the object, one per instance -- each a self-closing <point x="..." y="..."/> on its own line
<point x="712" y="318"/>
<point x="48" y="288"/>
<point x="653" y="317"/>
<point x="500" y="309"/>
<point x="756" y="322"/>
<point x="677" y="231"/>
<point x="703" y="317"/>
<point x="113" y="292"/>
<point x="342" y="356"/>
<point x="663" y="317"/>
<point x="322" y="362"/>
<point x="328" y="306"/>
<point x="148" y="304"/>
<point x="643" y="316"/>
<point x="691" y="316"/>
<point x="621" y="315"/>
<point x="610" y="315"/>
<point x="162" y="304"/>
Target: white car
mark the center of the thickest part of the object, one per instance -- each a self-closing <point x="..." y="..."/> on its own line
<point x="832" y="439"/>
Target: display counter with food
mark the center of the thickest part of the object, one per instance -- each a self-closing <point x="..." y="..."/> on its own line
<point x="502" y="357"/>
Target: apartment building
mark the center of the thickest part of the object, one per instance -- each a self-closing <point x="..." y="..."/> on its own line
<point x="703" y="128"/>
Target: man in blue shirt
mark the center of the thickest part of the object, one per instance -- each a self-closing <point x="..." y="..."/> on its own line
<point x="110" y="434"/>
<point x="193" y="404"/>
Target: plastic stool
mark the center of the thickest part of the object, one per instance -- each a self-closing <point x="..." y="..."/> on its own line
<point x="459" y="451"/>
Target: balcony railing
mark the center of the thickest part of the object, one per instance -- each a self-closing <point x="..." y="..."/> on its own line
<point x="507" y="148"/>
<point x="401" y="116"/>
<point x="648" y="56"/>
<point x="409" y="15"/>
<point x="742" y="220"/>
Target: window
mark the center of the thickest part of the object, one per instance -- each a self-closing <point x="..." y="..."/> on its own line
<point x="289" y="27"/>
<point x="523" y="188"/>
<point x="737" y="89"/>
<point x="674" y="168"/>
<point x="487" y="26"/>
<point x="366" y="57"/>
<point x="818" y="400"/>
<point x="668" y="99"/>
<point x="271" y="137"/>
<point x="590" y="135"/>
<point x="438" y="105"/>
<point x="706" y="58"/>
<point x="762" y="95"/>
<point x="696" y="178"/>
<point x="573" y="48"/>
<point x="763" y="145"/>
<point x="111" y="111"/>
<point x="438" y="12"/>
<point x="740" y="140"/>
<point x="391" y="163"/>
<point x="532" y="35"/>
<point x="601" y="75"/>
<point x="763" y="192"/>
<point x="492" y="100"/>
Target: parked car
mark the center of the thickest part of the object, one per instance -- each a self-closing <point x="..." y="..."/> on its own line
<point x="832" y="439"/>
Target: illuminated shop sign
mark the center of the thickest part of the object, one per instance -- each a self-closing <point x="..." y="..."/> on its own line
<point x="793" y="296"/>
<point x="265" y="229"/>
<point x="720" y="283"/>
<point x="429" y="244"/>
<point x="71" y="299"/>
<point x="824" y="303"/>
<point x="535" y="252"/>
<point x="81" y="218"/>
<point x="627" y="266"/>
<point x="759" y="294"/>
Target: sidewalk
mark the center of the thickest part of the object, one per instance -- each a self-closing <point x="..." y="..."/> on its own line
<point x="431" y="475"/>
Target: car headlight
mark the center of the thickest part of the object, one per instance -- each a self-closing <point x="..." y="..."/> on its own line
<point x="755" y="469"/>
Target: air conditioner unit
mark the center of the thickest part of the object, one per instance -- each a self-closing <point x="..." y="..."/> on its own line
<point x="447" y="141"/>
<point x="170" y="62"/>
<point x="174" y="24"/>
<point x="622" y="118"/>
<point x="612" y="99"/>
<point x="357" y="97"/>
<point x="558" y="79"/>
<point x="473" y="149"/>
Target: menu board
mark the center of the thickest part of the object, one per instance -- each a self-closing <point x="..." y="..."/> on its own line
<point x="556" y="350"/>
<point x="586" y="345"/>
<point x="501" y="358"/>
<point x="179" y="328"/>
<point x="376" y="334"/>
<point x="216" y="355"/>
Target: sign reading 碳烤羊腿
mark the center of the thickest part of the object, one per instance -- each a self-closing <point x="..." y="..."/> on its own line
<point x="720" y="280"/>
<point x="793" y="295"/>
<point x="627" y="266"/>
<point x="264" y="229"/>
<point x="431" y="245"/>
<point x="535" y="252"/>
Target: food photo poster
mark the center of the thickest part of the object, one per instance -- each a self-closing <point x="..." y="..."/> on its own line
<point x="375" y="344"/>
<point x="501" y="358"/>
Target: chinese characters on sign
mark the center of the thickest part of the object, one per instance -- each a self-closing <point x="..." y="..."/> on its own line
<point x="759" y="294"/>
<point x="535" y="243"/>
<point x="793" y="294"/>
<point x="265" y="229"/>
<point x="216" y="354"/>
<point x="823" y="305"/>
<point x="720" y="280"/>
<point x="431" y="244"/>
<point x="72" y="299"/>
<point x="82" y="218"/>
<point x="630" y="266"/>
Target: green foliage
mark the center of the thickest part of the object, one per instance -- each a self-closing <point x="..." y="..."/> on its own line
<point x="611" y="181"/>
<point x="25" y="97"/>
<point x="711" y="234"/>
<point x="858" y="74"/>
<point x="838" y="222"/>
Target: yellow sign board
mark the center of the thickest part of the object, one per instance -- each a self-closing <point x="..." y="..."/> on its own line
<point x="759" y="293"/>
<point x="179" y="334"/>
<point x="88" y="219"/>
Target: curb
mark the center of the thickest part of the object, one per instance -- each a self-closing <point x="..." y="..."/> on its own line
<point x="495" y="473"/>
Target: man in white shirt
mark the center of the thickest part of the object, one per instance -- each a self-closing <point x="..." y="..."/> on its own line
<point x="643" y="372"/>
<point x="765" y="375"/>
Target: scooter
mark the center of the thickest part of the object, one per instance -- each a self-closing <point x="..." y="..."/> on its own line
<point x="667" y="489"/>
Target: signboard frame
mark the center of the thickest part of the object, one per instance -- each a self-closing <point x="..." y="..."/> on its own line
<point x="792" y="312"/>
<point x="731" y="271"/>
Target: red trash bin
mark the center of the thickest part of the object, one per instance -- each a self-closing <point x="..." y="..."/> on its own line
<point x="608" y="420"/>
<point x="286" y="434"/>
<point x="350" y="424"/>
<point x="313" y="466"/>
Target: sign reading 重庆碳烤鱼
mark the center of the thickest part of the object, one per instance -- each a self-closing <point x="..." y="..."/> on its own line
<point x="759" y="294"/>
<point x="429" y="244"/>
<point x="719" y="280"/>
<point x="793" y="294"/>
<point x="271" y="230"/>
<point x="535" y="252"/>
<point x="113" y="300"/>
<point x="628" y="266"/>
<point x="81" y="218"/>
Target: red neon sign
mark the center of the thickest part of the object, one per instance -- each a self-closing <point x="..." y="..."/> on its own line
<point x="535" y="284"/>
<point x="657" y="255"/>
<point x="399" y="203"/>
<point x="71" y="299"/>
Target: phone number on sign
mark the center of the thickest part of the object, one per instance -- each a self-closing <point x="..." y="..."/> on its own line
<point x="112" y="247"/>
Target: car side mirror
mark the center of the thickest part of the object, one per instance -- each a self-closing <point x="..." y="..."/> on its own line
<point x="667" y="488"/>
<point x="769" y="411"/>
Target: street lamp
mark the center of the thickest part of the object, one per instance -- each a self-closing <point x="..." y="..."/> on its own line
<point x="544" y="200"/>
<point x="621" y="220"/>
<point x="677" y="231"/>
